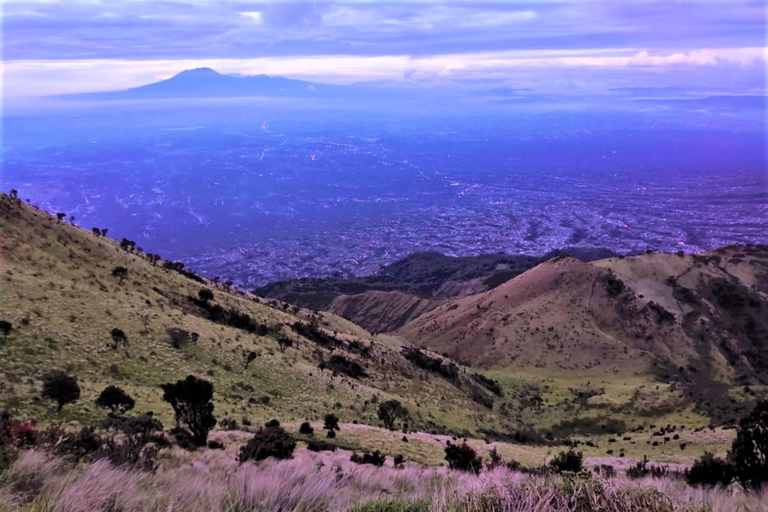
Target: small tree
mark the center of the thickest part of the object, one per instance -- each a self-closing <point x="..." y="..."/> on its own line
<point x="390" y="411"/>
<point x="205" y="295"/>
<point x="116" y="400"/>
<point x="284" y="342"/>
<point x="127" y="245"/>
<point x="60" y="216"/>
<point x="249" y="358"/>
<point x="375" y="458"/>
<point x="463" y="457"/>
<point x="96" y="231"/>
<point x="750" y="448"/>
<point x="570" y="461"/>
<point x="268" y="442"/>
<point x="61" y="388"/>
<point x="5" y="328"/>
<point x="136" y="432"/>
<point x="179" y="337"/>
<point x="191" y="402"/>
<point x="145" y="323"/>
<point x="118" y="337"/>
<point x="306" y="429"/>
<point x="120" y="273"/>
<point x="331" y="422"/>
<point x="104" y="231"/>
<point x="710" y="471"/>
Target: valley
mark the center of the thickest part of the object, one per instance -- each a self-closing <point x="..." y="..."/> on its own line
<point x="601" y="388"/>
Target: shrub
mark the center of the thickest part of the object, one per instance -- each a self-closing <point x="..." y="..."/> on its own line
<point x="491" y="385"/>
<point x="588" y="426"/>
<point x="76" y="445"/>
<point x="320" y="446"/>
<point x="284" y="342"/>
<point x="463" y="457"/>
<point x="129" y="436"/>
<point x="183" y="439"/>
<point x="331" y="434"/>
<point x="192" y="406"/>
<point x="249" y="358"/>
<point x="398" y="460"/>
<point x="13" y="435"/>
<point x="495" y="461"/>
<point x="120" y="272"/>
<point x="118" y="337"/>
<point x="272" y="423"/>
<point x="340" y="364"/>
<point x="375" y="458"/>
<point x="613" y="285"/>
<point x="710" y="471"/>
<point x="642" y="470"/>
<point x="61" y="388"/>
<point x="605" y="470"/>
<point x="116" y="400"/>
<point x="750" y="448"/>
<point x="447" y="369"/>
<point x="215" y="445"/>
<point x="331" y="422"/>
<point x="483" y="400"/>
<point x="228" y="424"/>
<point x="390" y="411"/>
<point x="180" y="337"/>
<point x="306" y="429"/>
<point x="5" y="328"/>
<point x="268" y="442"/>
<point x="205" y="295"/>
<point x="313" y="333"/>
<point x="568" y="461"/>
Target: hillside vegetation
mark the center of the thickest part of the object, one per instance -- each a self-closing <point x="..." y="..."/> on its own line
<point x="59" y="293"/>
<point x="547" y="358"/>
<point x="400" y="292"/>
<point x="699" y="322"/>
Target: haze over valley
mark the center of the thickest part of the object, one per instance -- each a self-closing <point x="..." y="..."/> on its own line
<point x="264" y="189"/>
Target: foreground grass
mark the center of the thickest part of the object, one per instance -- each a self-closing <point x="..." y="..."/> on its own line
<point x="329" y="482"/>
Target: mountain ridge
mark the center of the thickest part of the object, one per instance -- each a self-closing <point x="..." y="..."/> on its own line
<point x="208" y="83"/>
<point x="397" y="293"/>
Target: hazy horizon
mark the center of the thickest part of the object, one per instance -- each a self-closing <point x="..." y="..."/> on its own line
<point x="568" y="47"/>
<point x="460" y="127"/>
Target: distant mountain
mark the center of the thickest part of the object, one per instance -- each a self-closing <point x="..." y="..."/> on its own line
<point x="409" y="287"/>
<point x="207" y="83"/>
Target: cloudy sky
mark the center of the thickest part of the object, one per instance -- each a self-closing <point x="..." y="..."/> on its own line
<point x="550" y="46"/>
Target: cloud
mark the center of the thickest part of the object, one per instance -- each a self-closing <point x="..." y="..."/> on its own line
<point x="348" y="40"/>
<point x="295" y="15"/>
<point x="523" y="68"/>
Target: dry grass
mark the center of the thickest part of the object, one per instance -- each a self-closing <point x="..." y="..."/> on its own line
<point x="328" y="482"/>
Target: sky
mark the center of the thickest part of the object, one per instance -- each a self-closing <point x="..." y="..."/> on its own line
<point x="547" y="46"/>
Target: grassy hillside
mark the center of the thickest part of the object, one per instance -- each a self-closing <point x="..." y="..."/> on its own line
<point x="696" y="325"/>
<point x="400" y="292"/>
<point x="58" y="292"/>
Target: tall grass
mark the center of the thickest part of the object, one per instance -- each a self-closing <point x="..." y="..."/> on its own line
<point x="313" y="482"/>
